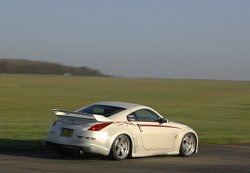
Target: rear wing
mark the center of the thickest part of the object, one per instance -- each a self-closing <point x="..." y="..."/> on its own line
<point x="59" y="113"/>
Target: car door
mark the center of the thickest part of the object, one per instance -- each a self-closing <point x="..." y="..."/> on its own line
<point x="154" y="135"/>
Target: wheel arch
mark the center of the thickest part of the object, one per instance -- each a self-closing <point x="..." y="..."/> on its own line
<point x="196" y="140"/>
<point x="185" y="133"/>
<point x="111" y="151"/>
<point x="131" y="141"/>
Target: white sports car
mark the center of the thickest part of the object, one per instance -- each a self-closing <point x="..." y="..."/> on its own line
<point x="120" y="130"/>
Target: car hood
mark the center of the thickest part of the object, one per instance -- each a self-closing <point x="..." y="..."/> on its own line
<point x="178" y="125"/>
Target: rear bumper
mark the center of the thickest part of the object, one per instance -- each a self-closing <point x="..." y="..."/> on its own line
<point x="92" y="142"/>
<point x="96" y="150"/>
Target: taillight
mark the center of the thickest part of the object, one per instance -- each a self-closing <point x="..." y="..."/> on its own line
<point x="98" y="127"/>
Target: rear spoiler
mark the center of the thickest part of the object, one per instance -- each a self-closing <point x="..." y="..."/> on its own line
<point x="58" y="112"/>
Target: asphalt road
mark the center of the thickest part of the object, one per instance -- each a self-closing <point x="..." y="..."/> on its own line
<point x="211" y="158"/>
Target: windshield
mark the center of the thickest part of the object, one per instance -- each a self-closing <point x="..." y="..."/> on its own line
<point x="104" y="110"/>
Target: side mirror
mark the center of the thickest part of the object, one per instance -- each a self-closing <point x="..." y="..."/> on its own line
<point x="163" y="120"/>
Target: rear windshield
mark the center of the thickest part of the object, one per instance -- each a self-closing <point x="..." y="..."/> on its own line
<point x="104" y="110"/>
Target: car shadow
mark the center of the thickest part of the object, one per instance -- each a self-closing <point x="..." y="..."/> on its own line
<point x="37" y="149"/>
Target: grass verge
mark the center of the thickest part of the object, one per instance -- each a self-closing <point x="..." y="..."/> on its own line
<point x="217" y="110"/>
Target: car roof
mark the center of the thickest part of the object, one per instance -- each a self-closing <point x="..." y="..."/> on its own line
<point x="125" y="105"/>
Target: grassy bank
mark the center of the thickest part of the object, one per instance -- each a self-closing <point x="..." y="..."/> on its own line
<point x="217" y="110"/>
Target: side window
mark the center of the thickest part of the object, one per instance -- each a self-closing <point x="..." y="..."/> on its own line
<point x="146" y="116"/>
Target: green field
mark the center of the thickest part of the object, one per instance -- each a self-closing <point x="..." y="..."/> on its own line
<point x="218" y="110"/>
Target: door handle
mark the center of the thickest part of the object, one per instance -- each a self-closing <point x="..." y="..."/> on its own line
<point x="139" y="126"/>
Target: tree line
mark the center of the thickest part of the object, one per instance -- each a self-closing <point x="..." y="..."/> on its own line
<point x="21" y="66"/>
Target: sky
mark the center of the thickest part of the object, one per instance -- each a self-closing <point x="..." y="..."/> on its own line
<point x="183" y="39"/>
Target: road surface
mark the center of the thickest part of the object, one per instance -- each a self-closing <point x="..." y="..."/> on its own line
<point x="211" y="158"/>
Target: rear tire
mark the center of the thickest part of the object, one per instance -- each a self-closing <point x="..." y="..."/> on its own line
<point x="188" y="145"/>
<point x="120" y="147"/>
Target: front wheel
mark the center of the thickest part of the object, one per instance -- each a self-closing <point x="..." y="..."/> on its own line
<point x="120" y="147"/>
<point x="188" y="145"/>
